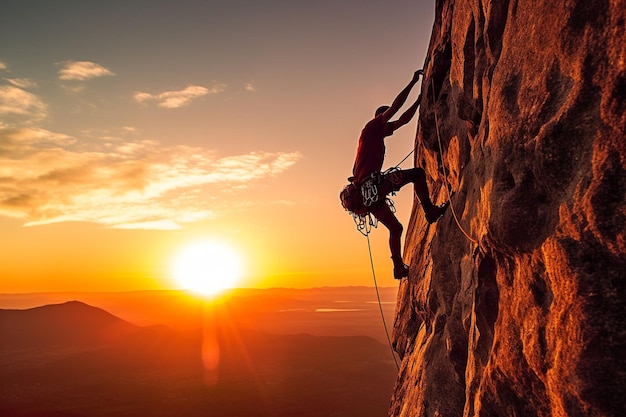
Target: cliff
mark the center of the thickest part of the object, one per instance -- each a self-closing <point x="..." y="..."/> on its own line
<point x="518" y="310"/>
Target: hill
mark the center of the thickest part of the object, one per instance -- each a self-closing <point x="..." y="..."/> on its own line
<point x="70" y="323"/>
<point x="273" y="310"/>
<point x="72" y="359"/>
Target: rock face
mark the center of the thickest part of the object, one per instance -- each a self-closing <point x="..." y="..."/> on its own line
<point x="519" y="308"/>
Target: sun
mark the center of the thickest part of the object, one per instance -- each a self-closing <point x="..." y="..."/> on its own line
<point x="207" y="267"/>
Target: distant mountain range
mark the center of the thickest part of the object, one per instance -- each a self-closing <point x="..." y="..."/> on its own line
<point x="274" y="310"/>
<point x="76" y="360"/>
<point x="67" y="324"/>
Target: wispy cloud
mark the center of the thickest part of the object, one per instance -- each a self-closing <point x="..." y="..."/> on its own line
<point x="250" y="87"/>
<point x="48" y="177"/>
<point x="17" y="101"/>
<point x="22" y="82"/>
<point x="82" y="70"/>
<point x="3" y="66"/>
<point x="180" y="98"/>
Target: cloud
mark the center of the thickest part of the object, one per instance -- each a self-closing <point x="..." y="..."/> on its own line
<point x="250" y="87"/>
<point x="3" y="66"/>
<point x="17" y="101"/>
<point x="16" y="143"/>
<point x="175" y="99"/>
<point x="48" y="177"/>
<point x="82" y="70"/>
<point x="22" y="82"/>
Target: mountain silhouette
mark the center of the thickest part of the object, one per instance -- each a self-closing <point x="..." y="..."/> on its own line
<point x="72" y="359"/>
<point x="66" y="324"/>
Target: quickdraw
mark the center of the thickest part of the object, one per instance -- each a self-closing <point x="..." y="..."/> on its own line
<point x="369" y="190"/>
<point x="366" y="222"/>
<point x="368" y="193"/>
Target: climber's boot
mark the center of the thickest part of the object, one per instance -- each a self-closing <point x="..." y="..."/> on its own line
<point x="434" y="213"/>
<point x="400" y="269"/>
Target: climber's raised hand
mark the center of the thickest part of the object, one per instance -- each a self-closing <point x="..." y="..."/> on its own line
<point x="416" y="75"/>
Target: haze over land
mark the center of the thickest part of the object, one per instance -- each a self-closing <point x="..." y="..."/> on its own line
<point x="260" y="352"/>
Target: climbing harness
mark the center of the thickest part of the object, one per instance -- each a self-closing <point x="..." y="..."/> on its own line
<point x="369" y="189"/>
<point x="445" y="175"/>
<point x="357" y="200"/>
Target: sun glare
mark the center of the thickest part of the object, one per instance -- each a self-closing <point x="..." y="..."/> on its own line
<point x="207" y="267"/>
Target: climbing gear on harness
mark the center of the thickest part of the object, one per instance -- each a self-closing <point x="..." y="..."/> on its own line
<point x="357" y="202"/>
<point x="370" y="189"/>
<point x="365" y="222"/>
<point x="352" y="200"/>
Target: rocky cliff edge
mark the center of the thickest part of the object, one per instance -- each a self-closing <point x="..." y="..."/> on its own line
<point x="518" y="309"/>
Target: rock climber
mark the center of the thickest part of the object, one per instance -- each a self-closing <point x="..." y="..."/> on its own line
<point x="375" y="186"/>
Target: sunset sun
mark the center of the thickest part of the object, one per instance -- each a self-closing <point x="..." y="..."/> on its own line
<point x="207" y="267"/>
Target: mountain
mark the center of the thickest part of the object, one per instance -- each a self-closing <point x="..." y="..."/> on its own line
<point x="75" y="360"/>
<point x="515" y="301"/>
<point x="70" y="323"/>
<point x="273" y="310"/>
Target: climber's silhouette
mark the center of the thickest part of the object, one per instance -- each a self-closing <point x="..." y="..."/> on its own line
<point x="374" y="185"/>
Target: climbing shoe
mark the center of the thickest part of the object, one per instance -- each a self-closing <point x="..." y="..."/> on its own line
<point x="434" y="213"/>
<point x="400" y="271"/>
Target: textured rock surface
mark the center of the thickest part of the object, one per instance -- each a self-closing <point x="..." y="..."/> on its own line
<point x="525" y="316"/>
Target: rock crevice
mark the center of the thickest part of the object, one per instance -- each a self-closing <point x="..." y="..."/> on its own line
<point x="517" y="309"/>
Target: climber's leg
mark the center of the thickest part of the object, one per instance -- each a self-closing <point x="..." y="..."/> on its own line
<point x="417" y="176"/>
<point x="384" y="214"/>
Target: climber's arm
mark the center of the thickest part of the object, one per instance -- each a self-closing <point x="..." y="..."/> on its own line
<point x="405" y="118"/>
<point x="401" y="98"/>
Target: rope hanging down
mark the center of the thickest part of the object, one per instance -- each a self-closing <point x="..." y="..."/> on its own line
<point x="445" y="174"/>
<point x="380" y="307"/>
<point x="397" y="166"/>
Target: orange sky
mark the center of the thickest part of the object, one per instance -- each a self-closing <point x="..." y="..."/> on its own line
<point x="129" y="130"/>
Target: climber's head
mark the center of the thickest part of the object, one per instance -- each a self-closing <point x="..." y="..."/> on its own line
<point x="381" y="110"/>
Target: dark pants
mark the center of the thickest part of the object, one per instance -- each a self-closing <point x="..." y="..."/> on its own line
<point x="393" y="182"/>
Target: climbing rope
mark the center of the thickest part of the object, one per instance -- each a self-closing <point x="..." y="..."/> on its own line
<point x="404" y="159"/>
<point x="445" y="175"/>
<point x="380" y="306"/>
<point x="397" y="166"/>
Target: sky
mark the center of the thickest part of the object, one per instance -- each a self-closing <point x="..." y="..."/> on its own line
<point x="130" y="128"/>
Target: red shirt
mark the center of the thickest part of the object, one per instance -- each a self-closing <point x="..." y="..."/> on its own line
<point x="371" y="151"/>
